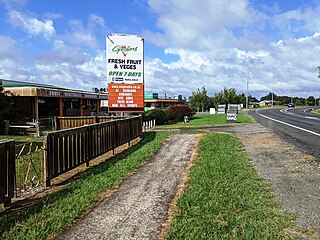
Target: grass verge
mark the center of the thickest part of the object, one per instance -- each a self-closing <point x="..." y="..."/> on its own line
<point x="202" y="120"/>
<point x="225" y="198"/>
<point x="55" y="211"/>
<point x="315" y="112"/>
<point x="21" y="139"/>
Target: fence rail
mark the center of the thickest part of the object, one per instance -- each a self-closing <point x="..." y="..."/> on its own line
<point x="67" y="149"/>
<point x="61" y="123"/>
<point x="7" y="171"/>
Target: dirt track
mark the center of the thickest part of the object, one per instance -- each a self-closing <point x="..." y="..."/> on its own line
<point x="140" y="206"/>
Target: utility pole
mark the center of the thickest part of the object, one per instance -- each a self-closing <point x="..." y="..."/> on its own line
<point x="247" y="91"/>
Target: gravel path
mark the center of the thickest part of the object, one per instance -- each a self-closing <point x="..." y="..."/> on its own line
<point x="140" y="206"/>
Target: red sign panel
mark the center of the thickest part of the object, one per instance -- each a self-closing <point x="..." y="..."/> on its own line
<point x="125" y="97"/>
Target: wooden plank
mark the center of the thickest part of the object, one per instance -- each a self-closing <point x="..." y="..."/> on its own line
<point x="3" y="171"/>
<point x="60" y="164"/>
<point x="66" y="153"/>
<point x="12" y="169"/>
<point x="71" y="152"/>
<point x="55" y="156"/>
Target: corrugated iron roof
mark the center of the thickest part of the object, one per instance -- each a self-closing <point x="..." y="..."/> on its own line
<point x="11" y="83"/>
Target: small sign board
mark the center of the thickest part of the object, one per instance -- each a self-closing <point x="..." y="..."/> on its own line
<point x="231" y="117"/>
<point x="221" y="109"/>
<point x="233" y="108"/>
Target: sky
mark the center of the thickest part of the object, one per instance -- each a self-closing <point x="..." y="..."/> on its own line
<point x="269" y="46"/>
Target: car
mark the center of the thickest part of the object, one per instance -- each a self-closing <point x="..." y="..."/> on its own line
<point x="291" y="105"/>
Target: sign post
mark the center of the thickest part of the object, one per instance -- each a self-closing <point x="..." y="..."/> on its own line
<point x="125" y="73"/>
<point x="232" y="114"/>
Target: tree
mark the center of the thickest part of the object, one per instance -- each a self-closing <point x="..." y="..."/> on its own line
<point x="4" y="110"/>
<point x="229" y="96"/>
<point x="311" y="101"/>
<point x="217" y="99"/>
<point x="199" y="100"/>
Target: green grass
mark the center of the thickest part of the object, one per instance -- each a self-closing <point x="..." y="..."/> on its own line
<point x="225" y="198"/>
<point x="315" y="112"/>
<point x="21" y="139"/>
<point x="54" y="212"/>
<point x="201" y="120"/>
<point x="22" y="162"/>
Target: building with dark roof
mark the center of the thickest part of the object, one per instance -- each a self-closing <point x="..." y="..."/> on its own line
<point x="34" y="101"/>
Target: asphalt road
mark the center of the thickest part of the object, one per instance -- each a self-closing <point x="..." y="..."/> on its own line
<point x="295" y="125"/>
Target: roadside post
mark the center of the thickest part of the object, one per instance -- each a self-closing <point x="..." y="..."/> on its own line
<point x="232" y="114"/>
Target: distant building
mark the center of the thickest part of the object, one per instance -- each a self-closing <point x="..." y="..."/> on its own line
<point x="267" y="103"/>
<point x="152" y="101"/>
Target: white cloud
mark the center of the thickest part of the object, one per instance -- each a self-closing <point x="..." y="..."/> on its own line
<point x="13" y="3"/>
<point x="8" y="48"/>
<point x="218" y="43"/>
<point x="223" y="43"/>
<point x="300" y="20"/>
<point x="84" y="33"/>
<point x="85" y="75"/>
<point x="202" y="25"/>
<point x="32" y="25"/>
<point x="287" y="67"/>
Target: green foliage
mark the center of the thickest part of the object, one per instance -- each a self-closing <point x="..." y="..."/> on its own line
<point x="5" y="109"/>
<point x="177" y="112"/>
<point x="226" y="96"/>
<point x="3" y="105"/>
<point x="158" y="114"/>
<point x="200" y="101"/>
<point x="217" y="99"/>
<point x="311" y="101"/>
<point x="226" y="198"/>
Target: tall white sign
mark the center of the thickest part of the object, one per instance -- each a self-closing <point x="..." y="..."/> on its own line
<point x="125" y="58"/>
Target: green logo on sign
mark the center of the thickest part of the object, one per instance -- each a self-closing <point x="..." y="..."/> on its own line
<point x="124" y="49"/>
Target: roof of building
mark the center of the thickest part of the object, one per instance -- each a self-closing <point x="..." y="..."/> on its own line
<point x="19" y="88"/>
<point x="11" y="83"/>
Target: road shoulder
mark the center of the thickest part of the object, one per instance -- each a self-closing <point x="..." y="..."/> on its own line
<point x="293" y="175"/>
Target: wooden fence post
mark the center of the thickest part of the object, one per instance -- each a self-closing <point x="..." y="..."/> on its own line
<point x="7" y="171"/>
<point x="45" y="162"/>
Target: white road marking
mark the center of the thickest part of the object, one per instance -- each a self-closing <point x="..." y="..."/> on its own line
<point x="285" y="110"/>
<point x="288" y="124"/>
<point x="314" y="118"/>
<point x="308" y="109"/>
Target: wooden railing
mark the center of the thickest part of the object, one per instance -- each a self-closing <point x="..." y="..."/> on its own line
<point x="7" y="171"/>
<point x="71" y="122"/>
<point x="67" y="149"/>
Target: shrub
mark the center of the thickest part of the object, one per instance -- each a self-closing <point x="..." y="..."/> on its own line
<point x="177" y="112"/>
<point x="158" y="114"/>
